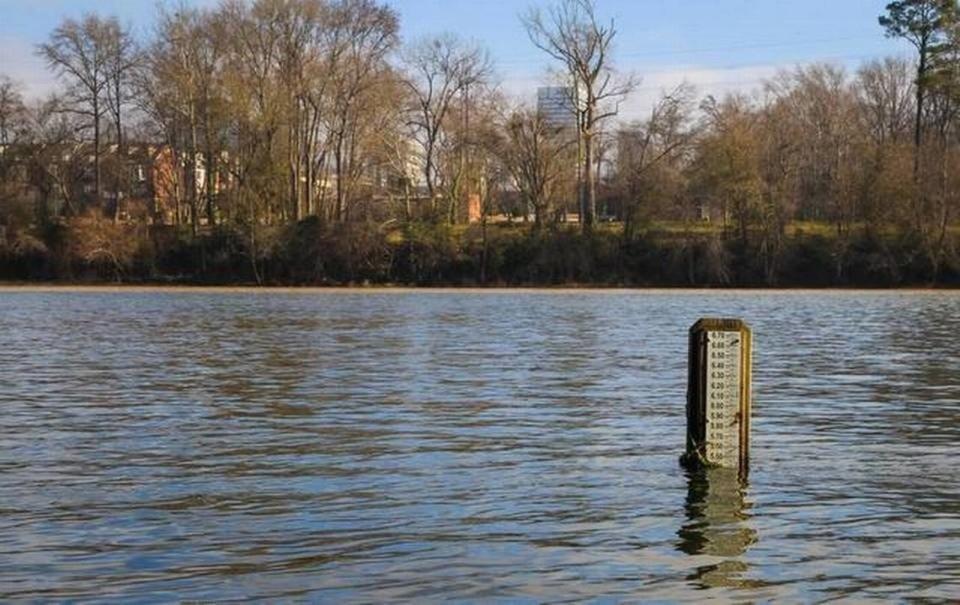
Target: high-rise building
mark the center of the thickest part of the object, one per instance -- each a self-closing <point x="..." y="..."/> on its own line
<point x="556" y="105"/>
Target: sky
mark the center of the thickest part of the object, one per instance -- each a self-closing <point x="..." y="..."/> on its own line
<point x="719" y="46"/>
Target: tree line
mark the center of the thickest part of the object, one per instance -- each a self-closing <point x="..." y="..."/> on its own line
<point x="302" y="141"/>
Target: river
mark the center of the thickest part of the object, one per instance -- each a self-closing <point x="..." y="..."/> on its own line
<point x="505" y="445"/>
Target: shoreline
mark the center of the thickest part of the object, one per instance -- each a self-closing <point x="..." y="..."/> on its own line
<point x="21" y="287"/>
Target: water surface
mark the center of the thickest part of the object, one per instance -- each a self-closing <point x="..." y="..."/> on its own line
<point x="372" y="446"/>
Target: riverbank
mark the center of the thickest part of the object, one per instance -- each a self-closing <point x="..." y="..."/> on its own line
<point x="310" y="254"/>
<point x="121" y="288"/>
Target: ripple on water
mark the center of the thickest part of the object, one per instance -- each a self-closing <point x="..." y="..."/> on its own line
<point x="413" y="446"/>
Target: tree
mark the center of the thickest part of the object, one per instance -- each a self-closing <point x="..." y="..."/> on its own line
<point x="12" y="112"/>
<point x="258" y="107"/>
<point x="181" y="89"/>
<point x="929" y="26"/>
<point x="885" y="106"/>
<point x="368" y="32"/>
<point x="55" y="160"/>
<point x="300" y="26"/>
<point x="821" y="106"/>
<point x="439" y="71"/>
<point x="13" y="132"/>
<point x="121" y="61"/>
<point x="572" y="34"/>
<point x="393" y="149"/>
<point x="652" y="158"/>
<point x="79" y="53"/>
<point x="924" y="24"/>
<point x="940" y="200"/>
<point x="727" y="164"/>
<point x="538" y="158"/>
<point x="884" y="91"/>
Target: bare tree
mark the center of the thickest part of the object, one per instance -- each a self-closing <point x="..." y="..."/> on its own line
<point x="653" y="155"/>
<point x="181" y="88"/>
<point x="884" y="88"/>
<point x="13" y="130"/>
<point x="439" y="70"/>
<point x="538" y="159"/>
<point x="726" y="168"/>
<point x="467" y="136"/>
<point x="13" y="112"/>
<point x="257" y="104"/>
<point x="572" y="34"/>
<point x="368" y="32"/>
<point x="123" y="56"/>
<point x="884" y="92"/>
<point x="55" y="160"/>
<point x="822" y="105"/>
<point x="298" y="25"/>
<point x="393" y="148"/>
<point x="79" y="53"/>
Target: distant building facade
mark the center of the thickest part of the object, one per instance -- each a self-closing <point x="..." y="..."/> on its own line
<point x="555" y="104"/>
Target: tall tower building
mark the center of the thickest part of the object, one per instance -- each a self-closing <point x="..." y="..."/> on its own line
<point x="556" y="105"/>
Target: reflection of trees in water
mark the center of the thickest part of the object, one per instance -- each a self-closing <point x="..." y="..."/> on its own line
<point x="717" y="525"/>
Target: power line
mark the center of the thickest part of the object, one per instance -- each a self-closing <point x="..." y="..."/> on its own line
<point x="780" y="65"/>
<point x="747" y="82"/>
<point x="720" y="49"/>
<point x="752" y="46"/>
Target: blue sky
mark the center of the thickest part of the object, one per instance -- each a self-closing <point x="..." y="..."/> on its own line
<point x="719" y="45"/>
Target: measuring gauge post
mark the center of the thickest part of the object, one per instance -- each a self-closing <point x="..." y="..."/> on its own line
<point x="718" y="395"/>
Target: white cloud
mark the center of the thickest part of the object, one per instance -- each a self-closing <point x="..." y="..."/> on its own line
<point x="707" y="81"/>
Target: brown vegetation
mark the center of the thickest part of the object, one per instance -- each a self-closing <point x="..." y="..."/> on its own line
<point x="297" y="141"/>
